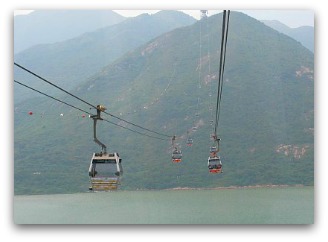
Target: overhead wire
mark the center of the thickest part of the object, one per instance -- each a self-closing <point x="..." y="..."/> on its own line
<point x="224" y="56"/>
<point x="77" y="108"/>
<point x="224" y="37"/>
<point x="209" y="72"/>
<point x="197" y="113"/>
<point x="200" y="54"/>
<point x="132" y="130"/>
<point x="136" y="125"/>
<point x="56" y="99"/>
<point x="54" y="85"/>
<point x="91" y="105"/>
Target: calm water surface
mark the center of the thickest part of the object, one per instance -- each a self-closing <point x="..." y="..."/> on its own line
<point x="291" y="205"/>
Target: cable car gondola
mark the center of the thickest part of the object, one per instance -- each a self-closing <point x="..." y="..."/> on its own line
<point x="214" y="164"/>
<point x="105" y="168"/>
<point x="104" y="171"/>
<point x="189" y="142"/>
<point x="176" y="155"/>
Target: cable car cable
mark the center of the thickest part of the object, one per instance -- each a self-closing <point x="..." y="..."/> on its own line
<point x="56" y="99"/>
<point x="93" y="106"/>
<point x="220" y="72"/>
<point x="43" y="79"/>
<point x="51" y="97"/>
<point x="225" y="48"/>
<point x="135" y="131"/>
<point x="112" y="115"/>
<point x="225" y="26"/>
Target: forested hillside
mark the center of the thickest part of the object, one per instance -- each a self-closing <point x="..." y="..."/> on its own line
<point x="169" y="85"/>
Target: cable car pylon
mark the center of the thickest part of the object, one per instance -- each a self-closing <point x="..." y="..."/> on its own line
<point x="203" y="14"/>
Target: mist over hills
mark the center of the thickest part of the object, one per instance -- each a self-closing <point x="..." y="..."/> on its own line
<point x="50" y="26"/>
<point x="266" y="123"/>
<point x="72" y="61"/>
<point x="303" y="34"/>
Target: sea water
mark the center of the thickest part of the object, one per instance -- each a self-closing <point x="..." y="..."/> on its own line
<point x="280" y="205"/>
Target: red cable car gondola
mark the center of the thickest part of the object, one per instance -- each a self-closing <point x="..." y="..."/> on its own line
<point x="189" y="142"/>
<point x="176" y="156"/>
<point x="214" y="164"/>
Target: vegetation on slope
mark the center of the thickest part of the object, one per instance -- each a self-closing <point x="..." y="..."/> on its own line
<point x="266" y="117"/>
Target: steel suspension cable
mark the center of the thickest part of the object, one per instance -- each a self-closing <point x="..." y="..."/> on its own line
<point x="91" y="105"/>
<point x="224" y="37"/>
<point x="77" y="108"/>
<point x="136" y="125"/>
<point x="225" y="48"/>
<point x="43" y="79"/>
<point x="56" y="99"/>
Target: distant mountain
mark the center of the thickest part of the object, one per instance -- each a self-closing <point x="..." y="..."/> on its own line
<point x="169" y="85"/>
<point x="304" y="34"/>
<point x="72" y="61"/>
<point x="50" y="26"/>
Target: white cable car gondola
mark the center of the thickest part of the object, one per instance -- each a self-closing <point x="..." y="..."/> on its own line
<point x="105" y="168"/>
<point x="105" y="171"/>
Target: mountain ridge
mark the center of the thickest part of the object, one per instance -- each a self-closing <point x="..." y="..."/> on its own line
<point x="72" y="61"/>
<point x="267" y="106"/>
<point x="303" y="34"/>
<point x="50" y="26"/>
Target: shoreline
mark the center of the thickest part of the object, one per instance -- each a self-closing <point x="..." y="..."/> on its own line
<point x="179" y="189"/>
<point x="236" y="187"/>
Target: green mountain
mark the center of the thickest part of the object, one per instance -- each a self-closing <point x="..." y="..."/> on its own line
<point x="169" y="85"/>
<point x="303" y="34"/>
<point x="70" y="62"/>
<point x="51" y="26"/>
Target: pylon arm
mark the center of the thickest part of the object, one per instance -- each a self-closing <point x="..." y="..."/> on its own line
<point x="95" y="139"/>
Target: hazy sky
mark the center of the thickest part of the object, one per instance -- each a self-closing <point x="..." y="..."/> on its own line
<point x="292" y="18"/>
